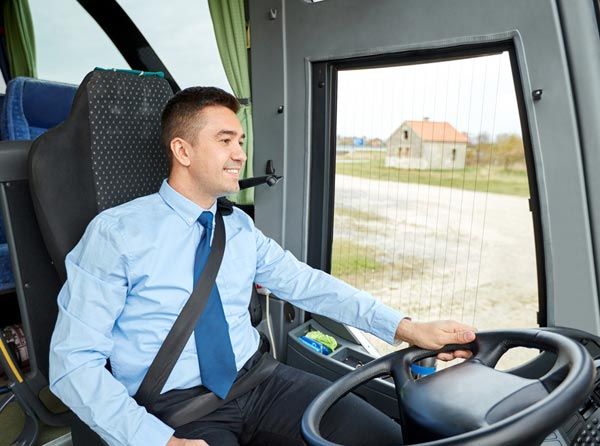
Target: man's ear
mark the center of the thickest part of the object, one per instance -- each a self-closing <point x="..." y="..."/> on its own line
<point x="181" y="149"/>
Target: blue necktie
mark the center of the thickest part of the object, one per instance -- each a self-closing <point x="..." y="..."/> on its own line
<point x="215" y="354"/>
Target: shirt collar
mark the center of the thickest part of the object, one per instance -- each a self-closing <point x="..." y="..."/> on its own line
<point x="185" y="208"/>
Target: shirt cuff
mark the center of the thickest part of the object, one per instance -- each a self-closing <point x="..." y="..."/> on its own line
<point x="386" y="321"/>
<point x="152" y="432"/>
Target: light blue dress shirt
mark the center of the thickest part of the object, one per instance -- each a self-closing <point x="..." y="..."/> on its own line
<point x="129" y="277"/>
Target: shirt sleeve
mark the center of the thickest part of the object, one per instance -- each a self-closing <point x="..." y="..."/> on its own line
<point x="88" y="306"/>
<point x="318" y="292"/>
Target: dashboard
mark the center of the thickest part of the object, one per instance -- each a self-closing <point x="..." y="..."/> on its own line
<point x="583" y="427"/>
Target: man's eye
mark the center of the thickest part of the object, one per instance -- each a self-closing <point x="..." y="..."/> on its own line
<point x="226" y="141"/>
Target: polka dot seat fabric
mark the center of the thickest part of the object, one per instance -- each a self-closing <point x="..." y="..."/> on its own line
<point x="124" y="117"/>
<point x="106" y="153"/>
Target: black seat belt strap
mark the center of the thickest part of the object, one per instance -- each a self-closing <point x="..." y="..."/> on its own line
<point x="195" y="408"/>
<point x="184" y="325"/>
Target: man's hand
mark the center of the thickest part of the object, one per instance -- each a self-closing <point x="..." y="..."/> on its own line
<point x="434" y="335"/>
<point x="174" y="441"/>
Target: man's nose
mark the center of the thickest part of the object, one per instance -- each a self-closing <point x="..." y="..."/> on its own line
<point x="239" y="154"/>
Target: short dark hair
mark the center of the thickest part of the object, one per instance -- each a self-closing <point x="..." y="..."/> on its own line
<point x="180" y="116"/>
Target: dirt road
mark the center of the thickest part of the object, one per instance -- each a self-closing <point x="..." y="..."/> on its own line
<point x="446" y="253"/>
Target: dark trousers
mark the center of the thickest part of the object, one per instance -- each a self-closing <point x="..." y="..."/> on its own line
<point x="271" y="414"/>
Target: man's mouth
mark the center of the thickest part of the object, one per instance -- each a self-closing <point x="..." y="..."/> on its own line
<point x="233" y="171"/>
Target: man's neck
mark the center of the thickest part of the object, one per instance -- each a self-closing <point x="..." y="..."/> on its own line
<point x="191" y="193"/>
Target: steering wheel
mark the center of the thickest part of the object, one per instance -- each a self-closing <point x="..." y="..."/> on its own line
<point x="472" y="403"/>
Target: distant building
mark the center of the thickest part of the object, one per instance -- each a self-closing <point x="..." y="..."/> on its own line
<point x="376" y="143"/>
<point x="348" y="144"/>
<point x="426" y="145"/>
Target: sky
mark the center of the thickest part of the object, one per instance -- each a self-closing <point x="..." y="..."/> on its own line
<point x="474" y="95"/>
<point x="70" y="43"/>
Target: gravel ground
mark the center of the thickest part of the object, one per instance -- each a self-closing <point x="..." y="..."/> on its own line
<point x="445" y="253"/>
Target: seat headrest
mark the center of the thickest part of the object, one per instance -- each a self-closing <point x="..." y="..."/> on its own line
<point x="107" y="152"/>
<point x="33" y="106"/>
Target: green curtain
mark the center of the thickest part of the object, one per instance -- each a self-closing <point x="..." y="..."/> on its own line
<point x="229" y="23"/>
<point x="20" y="41"/>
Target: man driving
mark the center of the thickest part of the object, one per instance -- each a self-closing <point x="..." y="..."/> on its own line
<point x="136" y="266"/>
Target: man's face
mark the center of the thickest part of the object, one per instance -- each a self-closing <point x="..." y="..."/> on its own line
<point x="216" y="154"/>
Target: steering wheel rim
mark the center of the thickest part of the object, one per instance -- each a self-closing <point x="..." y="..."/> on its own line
<point x="532" y="422"/>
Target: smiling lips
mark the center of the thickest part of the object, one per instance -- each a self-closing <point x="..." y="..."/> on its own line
<point x="234" y="171"/>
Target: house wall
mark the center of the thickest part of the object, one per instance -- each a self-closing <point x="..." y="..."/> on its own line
<point x="413" y="153"/>
<point x="396" y="141"/>
<point x="439" y="155"/>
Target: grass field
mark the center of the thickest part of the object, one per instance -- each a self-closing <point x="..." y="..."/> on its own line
<point x="349" y="258"/>
<point x="482" y="178"/>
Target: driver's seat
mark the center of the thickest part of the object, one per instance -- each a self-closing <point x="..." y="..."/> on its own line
<point x="107" y="152"/>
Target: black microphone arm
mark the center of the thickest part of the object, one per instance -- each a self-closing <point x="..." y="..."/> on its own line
<point x="269" y="180"/>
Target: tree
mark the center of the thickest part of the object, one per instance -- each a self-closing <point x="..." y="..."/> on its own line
<point x="506" y="151"/>
<point x="509" y="151"/>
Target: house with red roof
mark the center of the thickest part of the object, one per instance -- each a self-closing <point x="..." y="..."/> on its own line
<point x="426" y="145"/>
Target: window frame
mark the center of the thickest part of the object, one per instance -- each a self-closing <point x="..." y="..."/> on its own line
<point x="324" y="81"/>
<point x="127" y="38"/>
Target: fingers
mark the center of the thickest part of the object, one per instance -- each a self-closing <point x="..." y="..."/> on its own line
<point x="434" y="335"/>
<point x="174" y="441"/>
<point x="457" y="333"/>
<point x="464" y="337"/>
<point x="445" y="356"/>
<point x="449" y="356"/>
<point x="464" y="354"/>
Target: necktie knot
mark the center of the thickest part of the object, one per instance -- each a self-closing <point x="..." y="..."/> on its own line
<point x="205" y="219"/>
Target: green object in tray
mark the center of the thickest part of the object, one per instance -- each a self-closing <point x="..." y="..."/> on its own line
<point x="326" y="340"/>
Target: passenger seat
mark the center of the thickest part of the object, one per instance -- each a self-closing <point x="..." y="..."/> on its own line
<point x="30" y="107"/>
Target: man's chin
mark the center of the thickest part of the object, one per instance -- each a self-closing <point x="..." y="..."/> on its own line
<point x="232" y="190"/>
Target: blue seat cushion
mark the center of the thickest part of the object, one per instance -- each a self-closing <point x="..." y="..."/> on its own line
<point x="2" y="235"/>
<point x="6" y="278"/>
<point x="32" y="106"/>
